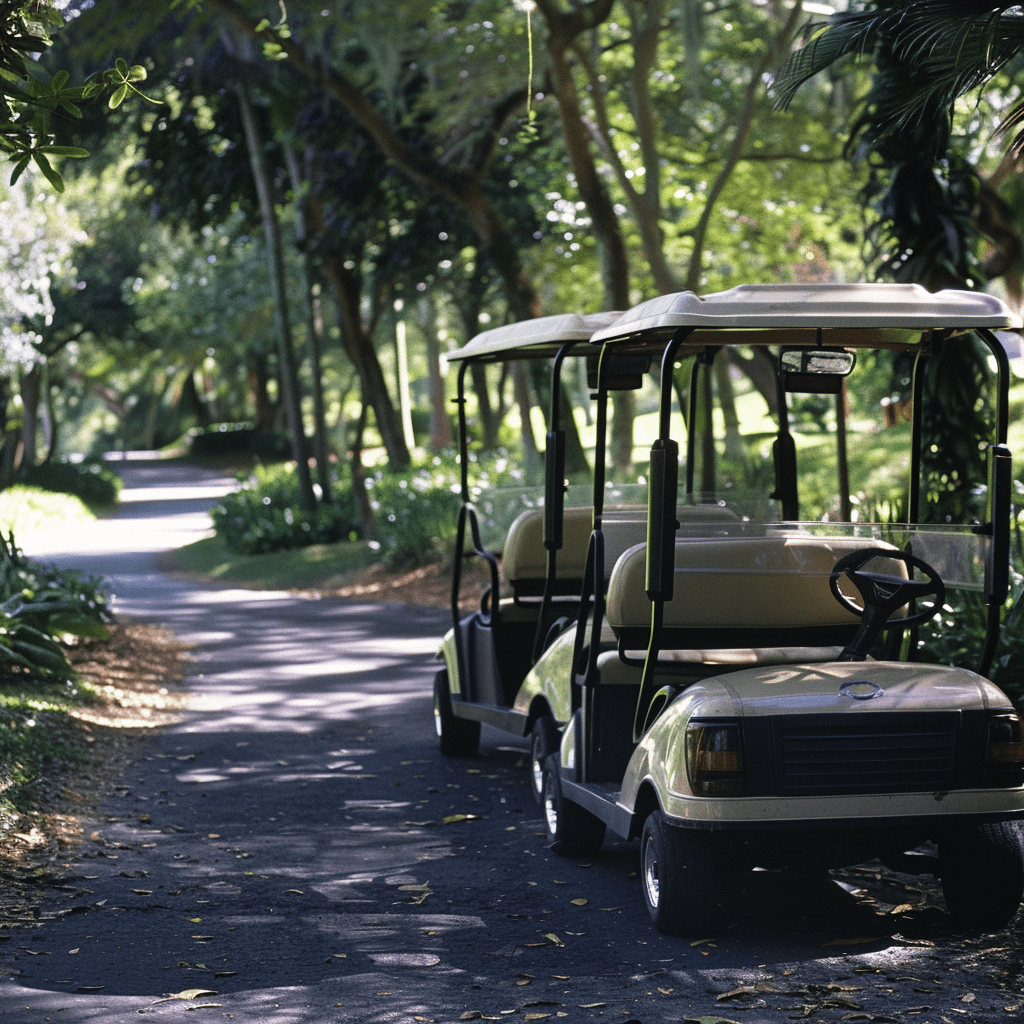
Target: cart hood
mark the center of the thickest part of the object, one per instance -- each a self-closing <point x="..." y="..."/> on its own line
<point x="843" y="687"/>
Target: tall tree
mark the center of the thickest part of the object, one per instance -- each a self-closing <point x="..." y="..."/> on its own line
<point x="931" y="208"/>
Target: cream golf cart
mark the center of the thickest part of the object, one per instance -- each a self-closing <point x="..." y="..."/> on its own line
<point x="742" y="686"/>
<point x="532" y="543"/>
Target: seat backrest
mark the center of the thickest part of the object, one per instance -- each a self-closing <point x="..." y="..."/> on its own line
<point x="525" y="559"/>
<point x="733" y="591"/>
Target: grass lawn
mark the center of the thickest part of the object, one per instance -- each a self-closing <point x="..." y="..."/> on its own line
<point x="317" y="567"/>
<point x="25" y="510"/>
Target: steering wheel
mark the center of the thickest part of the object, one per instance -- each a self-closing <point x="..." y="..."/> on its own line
<point x="882" y="595"/>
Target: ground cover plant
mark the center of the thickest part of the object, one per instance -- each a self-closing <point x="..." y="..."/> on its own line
<point x="412" y="515"/>
<point x="44" y="611"/>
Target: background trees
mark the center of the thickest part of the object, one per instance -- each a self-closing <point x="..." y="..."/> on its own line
<point x="426" y="179"/>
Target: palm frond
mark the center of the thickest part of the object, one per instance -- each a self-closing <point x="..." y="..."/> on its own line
<point x="949" y="47"/>
<point x="842" y="35"/>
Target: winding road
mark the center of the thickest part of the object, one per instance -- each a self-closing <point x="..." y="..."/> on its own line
<point x="296" y="850"/>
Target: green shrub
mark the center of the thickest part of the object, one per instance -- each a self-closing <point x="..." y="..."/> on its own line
<point x="39" y="602"/>
<point x="415" y="516"/>
<point x="227" y="440"/>
<point x="264" y="514"/>
<point x="93" y="482"/>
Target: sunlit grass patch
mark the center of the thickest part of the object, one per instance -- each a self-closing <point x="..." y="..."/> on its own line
<point x="25" y="510"/>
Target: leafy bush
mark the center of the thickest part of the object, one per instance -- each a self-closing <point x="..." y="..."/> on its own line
<point x="93" y="482"/>
<point x="38" y="603"/>
<point x="415" y="516"/>
<point x="264" y="514"/>
<point x="240" y="439"/>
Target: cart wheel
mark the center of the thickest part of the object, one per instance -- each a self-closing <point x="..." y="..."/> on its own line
<point x="573" y="831"/>
<point x="678" y="877"/>
<point x="543" y="743"/>
<point x="456" y="737"/>
<point x="982" y="874"/>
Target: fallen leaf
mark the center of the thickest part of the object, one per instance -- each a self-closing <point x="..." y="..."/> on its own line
<point x="143" y="892"/>
<point x="453" y="819"/>
<point x="902" y="908"/>
<point x="736" y="993"/>
<point x="72" y="952"/>
<point x="189" y="994"/>
<point x="470" y="1015"/>
<point x="225" y="974"/>
<point x="666" y="991"/>
<point x="968" y="998"/>
<point x="298" y="892"/>
<point x="553" y="939"/>
<point x="581" y="902"/>
<point x="90" y="988"/>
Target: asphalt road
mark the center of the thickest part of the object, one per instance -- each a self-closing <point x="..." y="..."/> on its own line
<point x="297" y="850"/>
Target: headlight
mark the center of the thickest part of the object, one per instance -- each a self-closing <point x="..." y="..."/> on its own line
<point x="1005" y="745"/>
<point x="714" y="758"/>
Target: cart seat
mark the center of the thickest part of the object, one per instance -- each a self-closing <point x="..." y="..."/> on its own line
<point x="753" y="600"/>
<point x="524" y="558"/>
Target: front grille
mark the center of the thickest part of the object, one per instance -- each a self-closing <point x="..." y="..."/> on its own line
<point x="868" y="756"/>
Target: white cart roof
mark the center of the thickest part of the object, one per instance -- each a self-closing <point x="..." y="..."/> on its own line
<point x="534" y="337"/>
<point x="887" y="308"/>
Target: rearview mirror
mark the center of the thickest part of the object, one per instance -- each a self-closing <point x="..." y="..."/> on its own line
<point x="815" y="371"/>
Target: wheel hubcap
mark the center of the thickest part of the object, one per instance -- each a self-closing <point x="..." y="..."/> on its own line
<point x="538" y="768"/>
<point x="551" y="814"/>
<point x="651" y="882"/>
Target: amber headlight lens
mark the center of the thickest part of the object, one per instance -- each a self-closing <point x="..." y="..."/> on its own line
<point x="714" y="758"/>
<point x="1005" y="744"/>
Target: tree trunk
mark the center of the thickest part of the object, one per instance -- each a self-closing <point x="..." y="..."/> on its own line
<point x="359" y="348"/>
<point x="461" y="187"/>
<point x="31" y="386"/>
<point x="314" y="320"/>
<point x="440" y="421"/>
<point x="563" y="30"/>
<point x="264" y="409"/>
<point x="734" y="449"/>
<point x="275" y="267"/>
<point x="360" y="496"/>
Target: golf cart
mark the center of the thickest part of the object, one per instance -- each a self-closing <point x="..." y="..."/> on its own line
<point x="743" y="684"/>
<point x="532" y="545"/>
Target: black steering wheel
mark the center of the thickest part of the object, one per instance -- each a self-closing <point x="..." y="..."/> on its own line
<point x="883" y="594"/>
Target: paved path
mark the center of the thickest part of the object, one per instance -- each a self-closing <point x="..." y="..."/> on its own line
<point x="296" y="850"/>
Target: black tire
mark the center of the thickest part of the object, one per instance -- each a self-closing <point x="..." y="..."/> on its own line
<point x="456" y="737"/>
<point x="677" y="873"/>
<point x="572" y="830"/>
<point x="982" y="872"/>
<point x="543" y="743"/>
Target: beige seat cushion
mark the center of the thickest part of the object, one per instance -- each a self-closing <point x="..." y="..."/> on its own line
<point x="525" y="557"/>
<point x="743" y="582"/>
